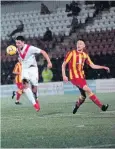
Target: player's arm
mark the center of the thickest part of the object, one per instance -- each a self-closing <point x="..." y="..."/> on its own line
<point x="99" y="67"/>
<point x="49" y="65"/>
<point x="38" y="50"/>
<point x="93" y="66"/>
<point x="65" y="78"/>
<point x="66" y="60"/>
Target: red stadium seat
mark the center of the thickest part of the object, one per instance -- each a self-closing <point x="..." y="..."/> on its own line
<point x="111" y="47"/>
<point x="98" y="41"/>
<point x="95" y="48"/>
<point x="109" y="41"/>
<point x="104" y="41"/>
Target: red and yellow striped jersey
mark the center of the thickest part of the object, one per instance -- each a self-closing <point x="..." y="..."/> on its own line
<point x="18" y="69"/>
<point x="76" y="62"/>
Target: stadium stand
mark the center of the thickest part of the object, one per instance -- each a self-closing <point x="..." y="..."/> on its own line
<point x="98" y="31"/>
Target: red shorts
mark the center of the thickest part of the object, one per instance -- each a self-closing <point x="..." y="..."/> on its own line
<point x="79" y="82"/>
<point x="19" y="85"/>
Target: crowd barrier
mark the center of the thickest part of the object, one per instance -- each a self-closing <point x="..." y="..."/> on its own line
<point x="71" y="89"/>
<point x="105" y="85"/>
<point x="53" y="88"/>
<point x="60" y="88"/>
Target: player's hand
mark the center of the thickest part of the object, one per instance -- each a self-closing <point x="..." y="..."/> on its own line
<point x="107" y="68"/>
<point x="49" y="65"/>
<point x="65" y="78"/>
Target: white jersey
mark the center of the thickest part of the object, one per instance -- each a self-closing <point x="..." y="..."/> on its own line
<point x="27" y="55"/>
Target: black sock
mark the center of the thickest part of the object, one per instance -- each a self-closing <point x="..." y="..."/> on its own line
<point x="35" y="95"/>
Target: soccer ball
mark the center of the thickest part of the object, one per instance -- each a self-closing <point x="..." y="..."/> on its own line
<point x="11" y="50"/>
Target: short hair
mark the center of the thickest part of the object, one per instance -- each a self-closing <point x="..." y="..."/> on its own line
<point x="81" y="40"/>
<point x="20" y="38"/>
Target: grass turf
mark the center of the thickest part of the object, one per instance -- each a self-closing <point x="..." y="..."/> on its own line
<point x="55" y="126"/>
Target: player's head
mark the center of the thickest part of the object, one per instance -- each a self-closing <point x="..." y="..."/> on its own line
<point x="80" y="45"/>
<point x="20" y="41"/>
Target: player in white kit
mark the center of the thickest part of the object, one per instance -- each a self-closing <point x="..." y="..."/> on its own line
<point x="29" y="69"/>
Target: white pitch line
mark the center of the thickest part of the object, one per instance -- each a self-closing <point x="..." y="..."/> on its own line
<point x="108" y="112"/>
<point x="80" y="126"/>
<point x="101" y="145"/>
<point x="87" y="115"/>
<point x="40" y="116"/>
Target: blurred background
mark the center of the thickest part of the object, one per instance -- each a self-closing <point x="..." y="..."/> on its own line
<point x="55" y="26"/>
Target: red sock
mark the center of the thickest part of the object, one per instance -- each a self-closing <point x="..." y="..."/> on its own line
<point x="37" y="106"/>
<point x="96" y="100"/>
<point x="79" y="102"/>
<point x="18" y="96"/>
<point x="38" y="103"/>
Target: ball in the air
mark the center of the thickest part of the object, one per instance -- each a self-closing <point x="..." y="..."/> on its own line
<point x="11" y="50"/>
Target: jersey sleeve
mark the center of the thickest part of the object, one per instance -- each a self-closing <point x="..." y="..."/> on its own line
<point x="68" y="57"/>
<point x="88" y="60"/>
<point x="35" y="50"/>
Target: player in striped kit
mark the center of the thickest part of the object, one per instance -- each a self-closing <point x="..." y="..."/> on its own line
<point x="29" y="73"/>
<point x="77" y="59"/>
<point x="18" y="81"/>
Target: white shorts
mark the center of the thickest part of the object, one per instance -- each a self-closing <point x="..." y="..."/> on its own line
<point x="31" y="74"/>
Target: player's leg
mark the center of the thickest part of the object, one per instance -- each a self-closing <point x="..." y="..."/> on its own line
<point x="26" y="88"/>
<point x="79" y="83"/>
<point x="34" y="82"/>
<point x="35" y="92"/>
<point x="95" y="99"/>
<point x="19" y="92"/>
<point x="82" y="97"/>
<point x="80" y="101"/>
<point x="13" y="94"/>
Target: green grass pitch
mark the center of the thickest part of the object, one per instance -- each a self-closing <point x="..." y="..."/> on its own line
<point x="55" y="126"/>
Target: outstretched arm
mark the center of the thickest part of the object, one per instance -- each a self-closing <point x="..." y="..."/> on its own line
<point x="99" y="67"/>
<point x="49" y="65"/>
<point x="92" y="65"/>
<point x="65" y="78"/>
<point x="66" y="60"/>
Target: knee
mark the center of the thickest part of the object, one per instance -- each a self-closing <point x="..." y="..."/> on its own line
<point x="25" y="83"/>
<point x="87" y="89"/>
<point x="34" y="88"/>
<point x="20" y="91"/>
<point x="83" y="97"/>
